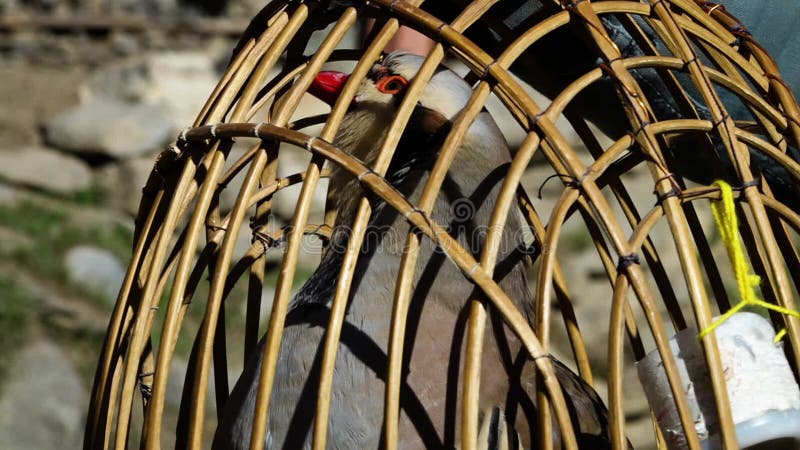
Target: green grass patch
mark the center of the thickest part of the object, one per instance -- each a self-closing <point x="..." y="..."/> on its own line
<point x="55" y="228"/>
<point x="54" y="233"/>
<point x="575" y="240"/>
<point x="32" y="219"/>
<point x="90" y="197"/>
<point x="17" y="309"/>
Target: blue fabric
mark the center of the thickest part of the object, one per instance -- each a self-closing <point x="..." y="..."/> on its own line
<point x="775" y="24"/>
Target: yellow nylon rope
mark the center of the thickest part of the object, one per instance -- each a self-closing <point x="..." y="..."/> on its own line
<point x="728" y="224"/>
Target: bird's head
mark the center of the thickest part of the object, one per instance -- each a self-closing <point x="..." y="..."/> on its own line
<point x="386" y="85"/>
<point x="374" y="107"/>
<point x="375" y="104"/>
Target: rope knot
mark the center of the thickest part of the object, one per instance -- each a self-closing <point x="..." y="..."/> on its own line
<point x="727" y="221"/>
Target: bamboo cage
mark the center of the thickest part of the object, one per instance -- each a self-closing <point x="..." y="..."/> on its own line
<point x="697" y="50"/>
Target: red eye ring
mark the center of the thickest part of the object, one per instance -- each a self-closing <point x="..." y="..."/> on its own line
<point x="393" y="84"/>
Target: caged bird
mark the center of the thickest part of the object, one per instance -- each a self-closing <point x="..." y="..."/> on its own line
<point x="434" y="339"/>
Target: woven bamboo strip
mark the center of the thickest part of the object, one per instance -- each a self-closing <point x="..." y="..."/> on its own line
<point x="269" y="96"/>
<point x="472" y="371"/>
<point x="476" y="327"/>
<point x="477" y="322"/>
<point x="675" y="216"/>
<point x="98" y="427"/>
<point x="229" y="84"/>
<point x="764" y="61"/>
<point x="530" y="38"/>
<point x="358" y="226"/>
<point x="378" y="43"/>
<point x="651" y="255"/>
<point x="206" y="336"/>
<point x="106" y="390"/>
<point x="649" y="251"/>
<point x="363" y="210"/>
<point x="176" y="304"/>
<point x="568" y="314"/>
<point x="290" y="102"/>
<point x="616" y="412"/>
<point x="215" y="114"/>
<point x="148" y="300"/>
<point x="336" y="115"/>
<point x="503" y="78"/>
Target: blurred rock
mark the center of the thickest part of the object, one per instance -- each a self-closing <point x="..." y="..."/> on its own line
<point x="178" y="82"/>
<point x="351" y="39"/>
<point x="33" y="96"/>
<point x="43" y="401"/>
<point x="95" y="268"/>
<point x="45" y="169"/>
<point x="124" y="44"/>
<point x="121" y="183"/>
<point x="227" y="197"/>
<point x="149" y="7"/>
<point x="181" y="82"/>
<point x="8" y="195"/>
<point x="289" y="163"/>
<point x="110" y="127"/>
<point x="125" y="81"/>
<point x="245" y="8"/>
<point x="207" y="7"/>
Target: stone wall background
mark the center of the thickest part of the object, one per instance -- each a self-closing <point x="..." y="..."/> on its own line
<point x="84" y="112"/>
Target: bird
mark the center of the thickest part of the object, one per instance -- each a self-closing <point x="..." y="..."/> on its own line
<point x="434" y="339"/>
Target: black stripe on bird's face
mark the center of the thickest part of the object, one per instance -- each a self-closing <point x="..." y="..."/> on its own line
<point x="431" y="125"/>
<point x="419" y="145"/>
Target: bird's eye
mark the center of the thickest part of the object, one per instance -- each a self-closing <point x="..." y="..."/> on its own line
<point x="393" y="84"/>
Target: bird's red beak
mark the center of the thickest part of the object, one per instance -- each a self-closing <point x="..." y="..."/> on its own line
<point x="328" y="85"/>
